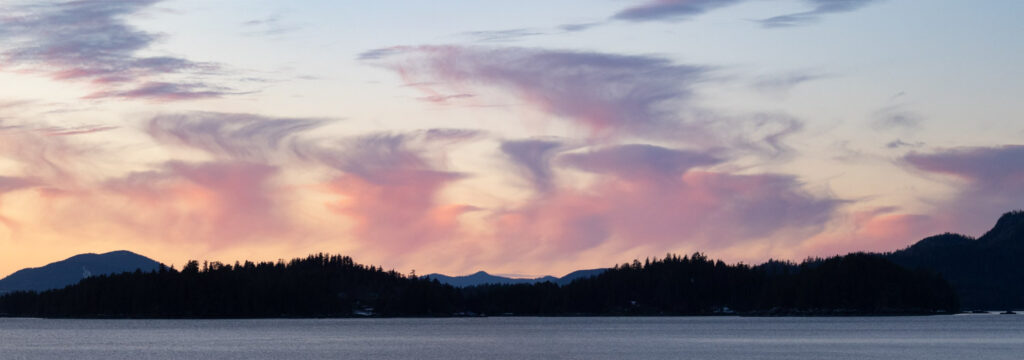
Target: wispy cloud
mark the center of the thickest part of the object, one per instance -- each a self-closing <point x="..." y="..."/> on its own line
<point x="510" y="35"/>
<point x="988" y="182"/>
<point x="985" y="183"/>
<point x="211" y="204"/>
<point x="76" y="130"/>
<point x="818" y="9"/>
<point x="896" y="117"/>
<point x="14" y="183"/>
<point x="579" y="26"/>
<point x="785" y="82"/>
<point x="677" y="10"/>
<point x="272" y="25"/>
<point x="661" y="10"/>
<point x="9" y="184"/>
<point x="997" y="169"/>
<point x="51" y="160"/>
<point x="607" y="93"/>
<point x="899" y="143"/>
<point x="389" y="185"/>
<point x="611" y="96"/>
<point x="661" y="198"/>
<point x="92" y="41"/>
<point x="503" y="35"/>
<point x="234" y="136"/>
<point x="165" y="91"/>
<point x="533" y="157"/>
<point x="639" y="160"/>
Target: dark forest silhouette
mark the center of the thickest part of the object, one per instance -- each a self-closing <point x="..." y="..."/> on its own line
<point x="986" y="272"/>
<point x="335" y="286"/>
<point x="982" y="273"/>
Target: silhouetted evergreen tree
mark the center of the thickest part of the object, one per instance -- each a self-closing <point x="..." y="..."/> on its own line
<point x="334" y="286"/>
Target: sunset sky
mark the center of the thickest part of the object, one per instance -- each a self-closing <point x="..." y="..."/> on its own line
<point x="518" y="137"/>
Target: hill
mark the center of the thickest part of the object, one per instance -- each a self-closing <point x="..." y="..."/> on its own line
<point x="72" y="270"/>
<point x="334" y="286"/>
<point x="985" y="272"/>
<point x="483" y="278"/>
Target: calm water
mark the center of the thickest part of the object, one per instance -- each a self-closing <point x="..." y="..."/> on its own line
<point x="936" y="337"/>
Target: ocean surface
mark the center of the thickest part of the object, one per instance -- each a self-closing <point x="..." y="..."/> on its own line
<point x="934" y="337"/>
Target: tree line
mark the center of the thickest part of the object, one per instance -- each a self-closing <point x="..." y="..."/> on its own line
<point x="325" y="285"/>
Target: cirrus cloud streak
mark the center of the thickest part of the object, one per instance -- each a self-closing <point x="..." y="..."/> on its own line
<point x="91" y="41"/>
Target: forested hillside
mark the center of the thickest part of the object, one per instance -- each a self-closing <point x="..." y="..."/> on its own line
<point x="986" y="272"/>
<point x="335" y="286"/>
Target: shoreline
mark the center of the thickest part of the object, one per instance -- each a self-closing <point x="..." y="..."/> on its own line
<point x="774" y="315"/>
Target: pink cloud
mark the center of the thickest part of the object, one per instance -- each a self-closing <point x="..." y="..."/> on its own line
<point x="397" y="211"/>
<point x="646" y="196"/>
<point x="51" y="160"/>
<point x="390" y="184"/>
<point x="878" y="229"/>
<point x="216" y="204"/>
<point x="387" y="184"/>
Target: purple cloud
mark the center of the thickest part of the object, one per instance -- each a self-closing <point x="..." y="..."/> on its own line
<point x="260" y="139"/>
<point x="819" y="9"/>
<point x="237" y="136"/>
<point x="503" y="35"/>
<point x="8" y="184"/>
<point x="389" y="158"/>
<point x="90" y="40"/>
<point x="675" y="10"/>
<point x="612" y="96"/>
<point x="991" y="182"/>
<point x="579" y="26"/>
<point x="534" y="156"/>
<point x="604" y="92"/>
<point x="661" y="10"/>
<point x="997" y="169"/>
<point x="899" y="143"/>
<point x="164" y="91"/>
<point x="639" y="160"/>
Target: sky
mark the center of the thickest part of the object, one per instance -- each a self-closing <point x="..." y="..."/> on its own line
<point x="523" y="138"/>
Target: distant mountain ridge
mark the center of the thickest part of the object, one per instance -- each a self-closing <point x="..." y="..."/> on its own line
<point x="72" y="270"/>
<point x="987" y="272"/>
<point x="482" y="278"/>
